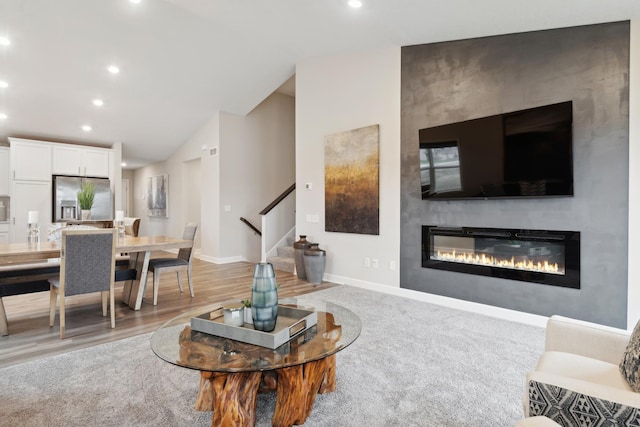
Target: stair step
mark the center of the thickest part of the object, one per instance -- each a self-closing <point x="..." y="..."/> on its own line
<point x="286" y="251"/>
<point x="282" y="263"/>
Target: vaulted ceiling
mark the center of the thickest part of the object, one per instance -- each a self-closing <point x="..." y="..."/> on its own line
<point x="182" y="60"/>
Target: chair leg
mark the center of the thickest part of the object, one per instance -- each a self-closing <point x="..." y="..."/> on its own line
<point x="112" y="303"/>
<point x="156" y="285"/>
<point x="105" y="299"/>
<point x="4" y="326"/>
<point x="190" y="284"/>
<point x="62" y="316"/>
<point x="179" y="280"/>
<point x="53" y="301"/>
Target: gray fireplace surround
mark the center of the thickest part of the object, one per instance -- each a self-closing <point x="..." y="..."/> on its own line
<point x="454" y="81"/>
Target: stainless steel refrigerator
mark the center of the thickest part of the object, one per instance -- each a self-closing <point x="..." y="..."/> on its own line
<point x="65" y="198"/>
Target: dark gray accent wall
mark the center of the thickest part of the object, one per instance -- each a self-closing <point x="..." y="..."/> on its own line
<point x="460" y="80"/>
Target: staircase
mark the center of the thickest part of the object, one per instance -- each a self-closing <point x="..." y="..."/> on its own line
<point x="284" y="260"/>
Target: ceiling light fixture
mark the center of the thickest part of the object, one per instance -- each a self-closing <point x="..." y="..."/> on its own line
<point x="4" y="41"/>
<point x="134" y="1"/>
<point x="3" y="116"/>
<point x="113" y="69"/>
<point x="123" y="164"/>
<point x="98" y="102"/>
<point x="86" y="128"/>
<point x="3" y="84"/>
<point x="354" y="3"/>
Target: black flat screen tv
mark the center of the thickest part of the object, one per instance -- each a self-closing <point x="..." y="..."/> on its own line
<point x="526" y="153"/>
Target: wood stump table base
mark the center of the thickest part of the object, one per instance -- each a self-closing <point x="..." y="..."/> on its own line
<point x="233" y="396"/>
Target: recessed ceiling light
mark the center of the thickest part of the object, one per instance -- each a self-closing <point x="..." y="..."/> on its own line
<point x="3" y="84"/>
<point x="3" y="116"/>
<point x="4" y="41"/>
<point x="134" y="1"/>
<point x="98" y="102"/>
<point x="113" y="69"/>
<point x="86" y="128"/>
<point x="354" y="3"/>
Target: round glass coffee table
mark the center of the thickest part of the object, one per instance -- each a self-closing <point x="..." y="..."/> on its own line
<point x="233" y="372"/>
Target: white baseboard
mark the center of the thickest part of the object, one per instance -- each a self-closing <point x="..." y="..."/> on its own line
<point x="216" y="260"/>
<point x="474" y="307"/>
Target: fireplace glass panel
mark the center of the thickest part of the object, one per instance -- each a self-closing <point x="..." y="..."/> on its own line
<point x="539" y="256"/>
<point x="546" y="257"/>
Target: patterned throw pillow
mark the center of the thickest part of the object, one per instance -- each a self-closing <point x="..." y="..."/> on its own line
<point x="630" y="364"/>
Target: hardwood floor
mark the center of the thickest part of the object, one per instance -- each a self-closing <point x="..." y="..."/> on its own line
<point x="28" y="315"/>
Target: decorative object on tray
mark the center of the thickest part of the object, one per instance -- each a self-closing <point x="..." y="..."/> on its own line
<point x="314" y="262"/>
<point x="248" y="318"/>
<point x="299" y="248"/>
<point x="233" y="313"/>
<point x="264" y="297"/>
<point x="85" y="199"/>
<point x="291" y="323"/>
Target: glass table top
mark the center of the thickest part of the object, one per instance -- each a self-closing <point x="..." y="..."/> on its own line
<point x="175" y="341"/>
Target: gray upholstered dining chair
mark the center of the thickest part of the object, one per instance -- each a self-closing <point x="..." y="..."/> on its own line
<point x="179" y="264"/>
<point x="87" y="265"/>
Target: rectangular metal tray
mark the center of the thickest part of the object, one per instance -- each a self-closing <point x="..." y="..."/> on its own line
<point x="290" y="323"/>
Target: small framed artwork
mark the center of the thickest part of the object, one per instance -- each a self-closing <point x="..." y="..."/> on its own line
<point x="158" y="196"/>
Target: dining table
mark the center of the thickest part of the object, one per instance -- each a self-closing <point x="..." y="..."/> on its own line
<point x="138" y="249"/>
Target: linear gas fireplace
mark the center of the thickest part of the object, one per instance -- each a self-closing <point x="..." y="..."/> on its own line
<point x="539" y="256"/>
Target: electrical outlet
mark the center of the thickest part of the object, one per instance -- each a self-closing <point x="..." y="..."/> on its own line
<point x="392" y="265"/>
<point x="367" y="261"/>
<point x="374" y="263"/>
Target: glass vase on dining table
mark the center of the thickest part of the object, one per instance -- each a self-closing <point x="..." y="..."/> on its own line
<point x="33" y="228"/>
<point x="118" y="223"/>
<point x="33" y="234"/>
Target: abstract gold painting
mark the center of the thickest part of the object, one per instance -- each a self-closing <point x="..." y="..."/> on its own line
<point x="351" y="181"/>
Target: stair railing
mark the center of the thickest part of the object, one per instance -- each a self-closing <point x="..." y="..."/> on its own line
<point x="278" y="221"/>
<point x="251" y="226"/>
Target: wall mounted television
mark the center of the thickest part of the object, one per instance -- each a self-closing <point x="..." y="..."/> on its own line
<point x="526" y="153"/>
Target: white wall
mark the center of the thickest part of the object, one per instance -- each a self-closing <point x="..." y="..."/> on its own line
<point x="259" y="164"/>
<point x="346" y="92"/>
<point x="337" y="94"/>
<point x="192" y="191"/>
<point x="253" y="164"/>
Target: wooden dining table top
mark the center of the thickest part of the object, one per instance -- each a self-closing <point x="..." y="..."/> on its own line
<point x="24" y="252"/>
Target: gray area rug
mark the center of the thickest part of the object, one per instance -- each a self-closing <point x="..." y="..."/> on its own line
<point x="414" y="364"/>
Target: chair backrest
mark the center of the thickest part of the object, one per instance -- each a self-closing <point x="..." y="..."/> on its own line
<point x="131" y="226"/>
<point x="189" y="234"/>
<point x="87" y="260"/>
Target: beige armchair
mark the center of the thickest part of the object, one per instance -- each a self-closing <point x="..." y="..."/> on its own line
<point x="577" y="380"/>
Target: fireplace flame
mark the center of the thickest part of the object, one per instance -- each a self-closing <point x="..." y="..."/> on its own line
<point x="491" y="261"/>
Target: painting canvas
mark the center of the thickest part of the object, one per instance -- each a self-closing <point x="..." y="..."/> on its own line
<point x="351" y="181"/>
<point x="158" y="196"/>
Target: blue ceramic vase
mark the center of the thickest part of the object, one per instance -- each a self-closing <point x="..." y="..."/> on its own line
<point x="264" y="298"/>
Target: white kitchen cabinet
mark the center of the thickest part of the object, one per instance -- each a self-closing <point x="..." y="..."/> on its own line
<point x="4" y="233"/>
<point x="30" y="160"/>
<point x="4" y="171"/>
<point x="80" y="161"/>
<point x="29" y="196"/>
